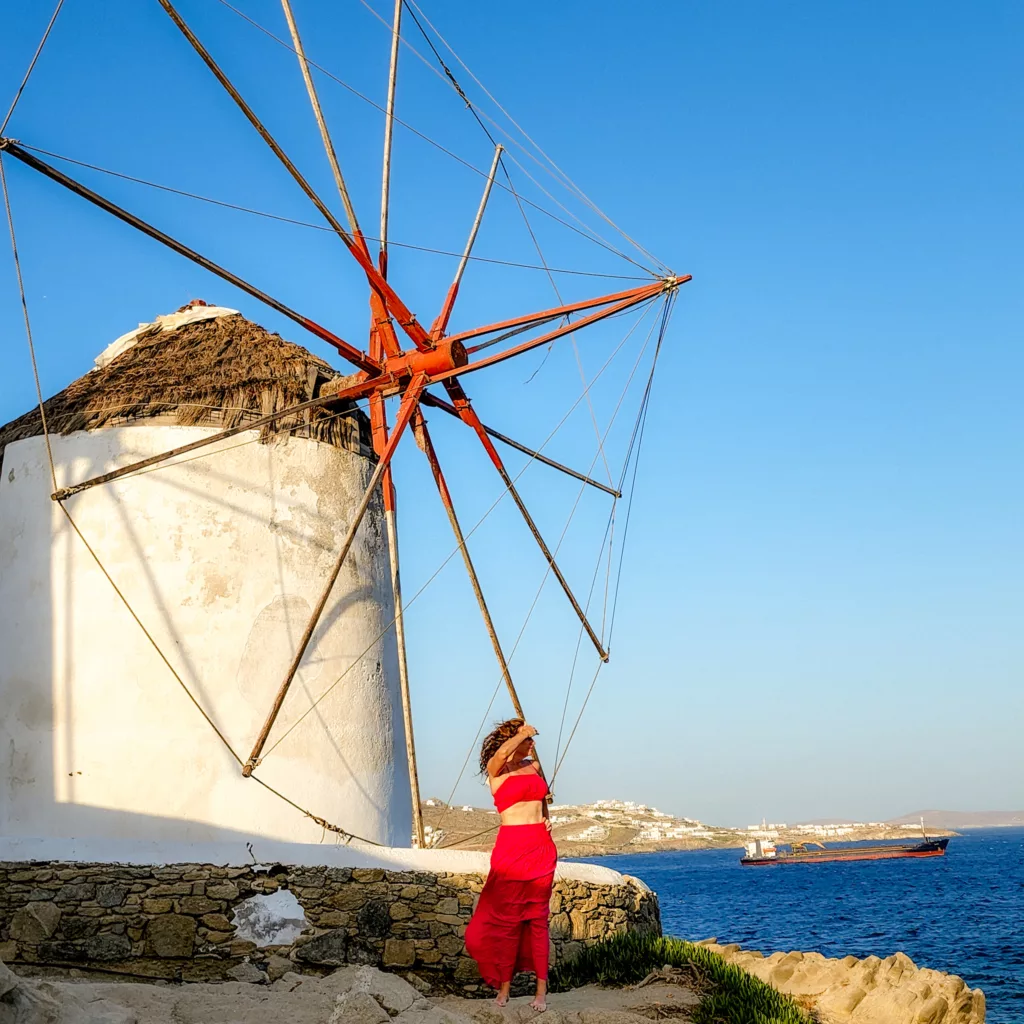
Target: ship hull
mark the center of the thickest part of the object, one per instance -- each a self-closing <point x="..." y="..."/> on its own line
<point x="931" y="848"/>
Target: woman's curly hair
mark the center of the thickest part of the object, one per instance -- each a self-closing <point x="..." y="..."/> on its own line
<point x="501" y="733"/>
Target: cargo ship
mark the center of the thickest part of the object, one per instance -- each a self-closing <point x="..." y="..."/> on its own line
<point x="762" y="852"/>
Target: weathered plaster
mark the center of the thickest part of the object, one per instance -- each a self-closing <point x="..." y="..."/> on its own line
<point x="221" y="557"/>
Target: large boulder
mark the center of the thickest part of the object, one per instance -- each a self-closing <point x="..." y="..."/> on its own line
<point x="869" y="991"/>
<point x="29" y="1002"/>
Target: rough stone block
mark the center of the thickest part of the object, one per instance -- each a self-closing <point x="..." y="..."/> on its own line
<point x="107" y="947"/>
<point x="364" y="952"/>
<point x="8" y="952"/>
<point x="367" y="874"/>
<point x="328" y="949"/>
<point x="374" y="920"/>
<point x="76" y="928"/>
<point x="400" y="912"/>
<point x="467" y="970"/>
<point x="112" y="895"/>
<point x="399" y="953"/>
<point x="171" y="935"/>
<point x="59" y="951"/>
<point x="223" y="891"/>
<point x="197" y="905"/>
<point x="246" y="972"/>
<point x="218" y="923"/>
<point x="172" y="889"/>
<point x="156" y="906"/>
<point x="334" y="919"/>
<point x="351" y="897"/>
<point x="450" y="945"/>
<point x="278" y="967"/>
<point x="35" y="922"/>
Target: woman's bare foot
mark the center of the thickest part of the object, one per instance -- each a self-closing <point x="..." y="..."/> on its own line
<point x="540" y="1002"/>
<point x="501" y="999"/>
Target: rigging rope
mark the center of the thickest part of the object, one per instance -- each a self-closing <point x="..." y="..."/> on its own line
<point x="561" y="302"/>
<point x="567" y="181"/>
<point x="24" y="313"/>
<point x="433" y="142"/>
<point x="638" y="439"/>
<point x="117" y="590"/>
<point x="544" y="579"/>
<point x="458" y="548"/>
<point x="478" y="113"/>
<point x="610" y="538"/>
<point x="31" y="67"/>
<point x="320" y="227"/>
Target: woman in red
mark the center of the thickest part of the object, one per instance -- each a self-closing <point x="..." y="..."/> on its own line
<point x="509" y="929"/>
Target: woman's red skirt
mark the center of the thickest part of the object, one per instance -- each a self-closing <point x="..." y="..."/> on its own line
<point x="508" y="932"/>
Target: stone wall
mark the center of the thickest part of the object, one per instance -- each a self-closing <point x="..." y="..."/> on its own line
<point x="187" y="921"/>
<point x="869" y="991"/>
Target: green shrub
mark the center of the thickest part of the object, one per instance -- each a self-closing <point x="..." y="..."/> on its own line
<point x="730" y="995"/>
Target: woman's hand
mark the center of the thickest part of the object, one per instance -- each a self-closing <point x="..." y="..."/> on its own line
<point x="547" y="824"/>
<point x="526" y="731"/>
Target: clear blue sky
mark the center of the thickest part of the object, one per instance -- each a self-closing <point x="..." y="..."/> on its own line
<point x="822" y="608"/>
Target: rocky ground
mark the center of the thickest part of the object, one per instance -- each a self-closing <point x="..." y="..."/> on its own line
<point x="847" y="991"/>
<point x="350" y="995"/>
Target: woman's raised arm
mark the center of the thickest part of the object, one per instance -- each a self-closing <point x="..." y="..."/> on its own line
<point x="503" y="754"/>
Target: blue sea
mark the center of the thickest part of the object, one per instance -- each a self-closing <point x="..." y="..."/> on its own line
<point x="962" y="913"/>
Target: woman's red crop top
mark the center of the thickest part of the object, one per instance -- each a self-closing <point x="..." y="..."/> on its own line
<point x="517" y="789"/>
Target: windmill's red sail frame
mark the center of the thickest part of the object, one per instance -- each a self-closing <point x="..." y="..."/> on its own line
<point x="387" y="369"/>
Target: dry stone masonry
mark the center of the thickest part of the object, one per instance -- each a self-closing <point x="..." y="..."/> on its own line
<point x="197" y="922"/>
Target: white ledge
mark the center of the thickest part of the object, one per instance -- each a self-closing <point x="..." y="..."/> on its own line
<point x="267" y="852"/>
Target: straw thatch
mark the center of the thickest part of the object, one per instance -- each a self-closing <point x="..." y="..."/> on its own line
<point x="216" y="373"/>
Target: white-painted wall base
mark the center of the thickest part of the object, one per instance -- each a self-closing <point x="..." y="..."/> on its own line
<point x="269" y="852"/>
<point x="222" y="557"/>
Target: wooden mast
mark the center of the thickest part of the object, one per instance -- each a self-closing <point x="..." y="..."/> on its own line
<point x="379" y="423"/>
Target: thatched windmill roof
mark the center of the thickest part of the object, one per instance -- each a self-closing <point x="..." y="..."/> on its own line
<point x="203" y="366"/>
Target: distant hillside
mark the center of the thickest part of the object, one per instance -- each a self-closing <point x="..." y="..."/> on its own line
<point x="962" y="819"/>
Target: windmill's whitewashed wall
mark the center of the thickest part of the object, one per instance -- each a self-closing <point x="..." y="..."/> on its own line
<point x="222" y="557"/>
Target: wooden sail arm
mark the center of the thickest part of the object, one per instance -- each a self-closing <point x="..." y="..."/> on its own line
<point x="358" y="248"/>
<point x="410" y="401"/>
<point x="638" y="294"/>
<point x="440" y="324"/>
<point x="350" y="352"/>
<point x="469" y="416"/>
<point x="626" y="301"/>
<point x="439" y="403"/>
